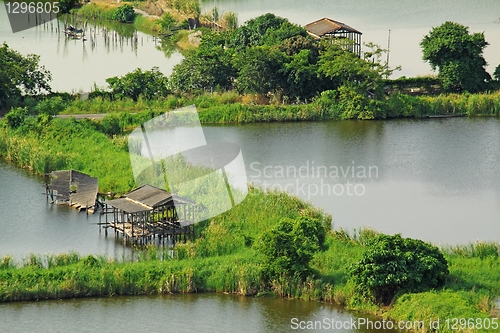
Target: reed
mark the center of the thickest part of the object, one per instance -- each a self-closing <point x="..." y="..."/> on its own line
<point x="68" y="144"/>
<point x="478" y="249"/>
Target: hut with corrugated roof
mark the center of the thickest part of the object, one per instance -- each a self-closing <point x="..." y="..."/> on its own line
<point x="328" y="28"/>
<point x="147" y="214"/>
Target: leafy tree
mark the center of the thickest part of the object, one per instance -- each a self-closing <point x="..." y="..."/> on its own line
<point x="290" y="245"/>
<point x="496" y="73"/>
<point x="266" y="29"/>
<point x="458" y="55"/>
<point x="66" y="5"/>
<point x="148" y="84"/>
<point x="302" y="77"/>
<point x="124" y="13"/>
<point x="346" y="68"/>
<point x="167" y="21"/>
<point x="260" y="69"/>
<point x="20" y="74"/>
<point x="295" y="44"/>
<point x="393" y="264"/>
<point x="208" y="67"/>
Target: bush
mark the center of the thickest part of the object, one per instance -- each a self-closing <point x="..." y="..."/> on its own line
<point x="15" y="117"/>
<point x="149" y="84"/>
<point x="124" y="13"/>
<point x="289" y="247"/>
<point x="52" y="106"/>
<point x="393" y="265"/>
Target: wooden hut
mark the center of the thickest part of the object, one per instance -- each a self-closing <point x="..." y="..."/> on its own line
<point x="73" y="188"/>
<point x="147" y="214"/>
<point x="328" y="28"/>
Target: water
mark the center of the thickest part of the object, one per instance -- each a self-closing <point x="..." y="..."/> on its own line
<point x="435" y="180"/>
<point x="408" y="22"/>
<point x="77" y="66"/>
<point x="30" y="224"/>
<point x="171" y="313"/>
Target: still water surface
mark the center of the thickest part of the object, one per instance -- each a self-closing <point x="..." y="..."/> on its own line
<point x="171" y="313"/>
<point x="436" y="180"/>
<point x="76" y="65"/>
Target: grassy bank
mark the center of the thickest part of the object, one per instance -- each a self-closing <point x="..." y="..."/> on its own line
<point x="469" y="292"/>
<point x="230" y="107"/>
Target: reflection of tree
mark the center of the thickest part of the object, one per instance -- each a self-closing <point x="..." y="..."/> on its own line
<point x="167" y="47"/>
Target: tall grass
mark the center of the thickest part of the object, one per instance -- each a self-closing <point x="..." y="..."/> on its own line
<point x="68" y="144"/>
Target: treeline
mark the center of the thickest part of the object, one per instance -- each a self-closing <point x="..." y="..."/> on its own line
<point x="270" y="55"/>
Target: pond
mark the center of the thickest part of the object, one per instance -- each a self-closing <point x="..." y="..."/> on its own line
<point x="433" y="179"/>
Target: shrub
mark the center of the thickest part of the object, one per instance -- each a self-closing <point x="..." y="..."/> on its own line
<point x="15" y="117"/>
<point x="124" y="13"/>
<point x="289" y="247"/>
<point x="149" y="84"/>
<point x="393" y="265"/>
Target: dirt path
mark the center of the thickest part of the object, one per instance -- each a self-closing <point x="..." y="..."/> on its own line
<point x="143" y="13"/>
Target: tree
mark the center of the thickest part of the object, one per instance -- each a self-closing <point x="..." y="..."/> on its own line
<point x="167" y="21"/>
<point x="266" y="29"/>
<point x="67" y="5"/>
<point x="20" y="74"/>
<point x="124" y="13"/>
<point x="346" y="68"/>
<point x="393" y="264"/>
<point x="260" y="69"/>
<point x="458" y="55"/>
<point x="289" y="247"/>
<point x="496" y="73"/>
<point x="206" y="68"/>
<point x="148" y="84"/>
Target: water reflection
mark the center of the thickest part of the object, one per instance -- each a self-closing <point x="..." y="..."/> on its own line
<point x="110" y="49"/>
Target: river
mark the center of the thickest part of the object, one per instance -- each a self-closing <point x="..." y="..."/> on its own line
<point x="433" y="179"/>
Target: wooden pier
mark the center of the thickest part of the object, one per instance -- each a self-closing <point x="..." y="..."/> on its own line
<point x="73" y="188"/>
<point x="149" y="215"/>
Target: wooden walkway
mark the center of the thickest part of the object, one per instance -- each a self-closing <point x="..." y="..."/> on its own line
<point x="73" y="188"/>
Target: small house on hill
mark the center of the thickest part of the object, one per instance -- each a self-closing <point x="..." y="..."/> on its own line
<point x="328" y="28"/>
